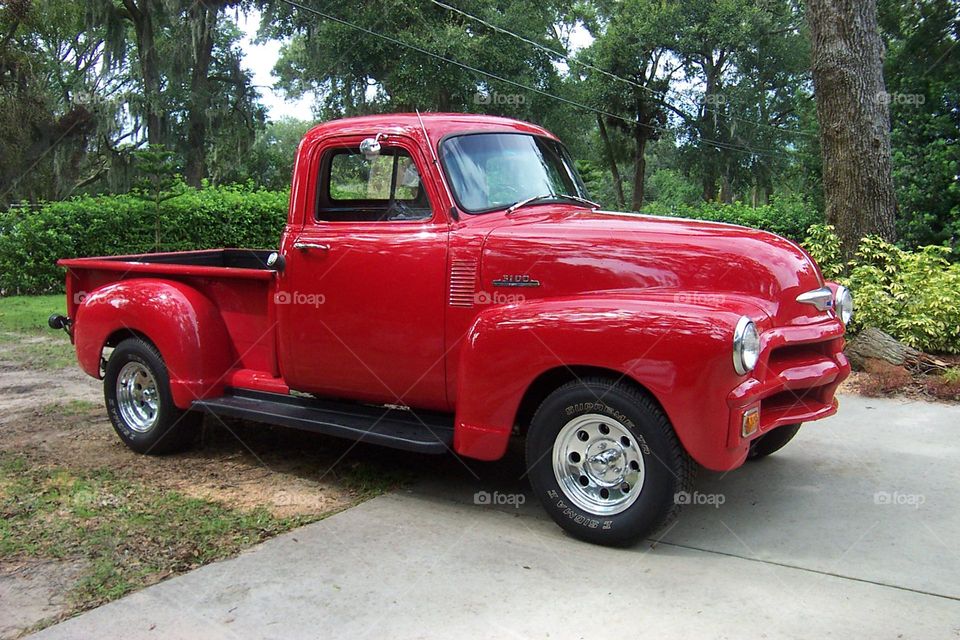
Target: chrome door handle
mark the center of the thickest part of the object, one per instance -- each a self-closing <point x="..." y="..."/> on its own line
<point x="304" y="246"/>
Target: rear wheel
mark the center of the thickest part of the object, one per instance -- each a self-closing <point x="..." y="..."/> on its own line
<point x="136" y="388"/>
<point x="772" y="442"/>
<point x="605" y="462"/>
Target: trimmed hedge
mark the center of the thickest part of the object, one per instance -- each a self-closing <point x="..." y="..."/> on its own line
<point x="228" y="216"/>
<point x="235" y="216"/>
<point x="787" y="216"/>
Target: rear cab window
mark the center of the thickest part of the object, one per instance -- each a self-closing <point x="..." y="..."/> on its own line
<point x="383" y="188"/>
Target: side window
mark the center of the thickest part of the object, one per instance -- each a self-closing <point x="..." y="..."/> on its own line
<point x="386" y="187"/>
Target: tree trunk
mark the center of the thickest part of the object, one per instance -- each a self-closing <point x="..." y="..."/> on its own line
<point x="639" y="166"/>
<point x="710" y="156"/>
<point x="612" y="161"/>
<point x="874" y="344"/>
<point x="142" y="18"/>
<point x="852" y="107"/>
<point x="203" y="20"/>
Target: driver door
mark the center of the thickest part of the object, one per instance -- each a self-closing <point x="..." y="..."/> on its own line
<point x="361" y="302"/>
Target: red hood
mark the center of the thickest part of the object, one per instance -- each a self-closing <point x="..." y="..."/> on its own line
<point x="573" y="251"/>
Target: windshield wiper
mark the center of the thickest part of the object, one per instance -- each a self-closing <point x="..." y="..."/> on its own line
<point x="547" y="196"/>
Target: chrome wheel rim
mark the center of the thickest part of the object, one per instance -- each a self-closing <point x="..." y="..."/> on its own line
<point x="598" y="464"/>
<point x="137" y="397"/>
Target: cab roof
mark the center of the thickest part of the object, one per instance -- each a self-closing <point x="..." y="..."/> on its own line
<point x="438" y="125"/>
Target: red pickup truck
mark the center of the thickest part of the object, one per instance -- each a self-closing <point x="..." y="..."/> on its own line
<point x="443" y="284"/>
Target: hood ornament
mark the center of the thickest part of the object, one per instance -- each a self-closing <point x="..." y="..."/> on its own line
<point x="821" y="298"/>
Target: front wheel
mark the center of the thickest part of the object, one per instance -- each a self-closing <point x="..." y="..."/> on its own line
<point x="772" y="442"/>
<point x="605" y="462"/>
<point x="136" y="388"/>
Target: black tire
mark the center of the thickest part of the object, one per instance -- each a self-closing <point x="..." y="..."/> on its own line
<point x="772" y="442"/>
<point x="171" y="429"/>
<point x="667" y="470"/>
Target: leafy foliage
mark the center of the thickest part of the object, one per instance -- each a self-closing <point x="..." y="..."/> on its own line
<point x="823" y="245"/>
<point x="921" y="69"/>
<point x="912" y="295"/>
<point x="230" y="216"/>
<point x="787" y="215"/>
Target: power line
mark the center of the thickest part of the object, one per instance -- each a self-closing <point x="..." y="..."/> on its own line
<point x="716" y="143"/>
<point x="613" y="76"/>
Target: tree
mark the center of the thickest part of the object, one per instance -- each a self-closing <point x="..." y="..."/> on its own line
<point x="180" y="96"/>
<point x="144" y="16"/>
<point x="354" y="72"/>
<point x="852" y="106"/>
<point x="921" y="71"/>
<point x="59" y="101"/>
<point x="629" y="72"/>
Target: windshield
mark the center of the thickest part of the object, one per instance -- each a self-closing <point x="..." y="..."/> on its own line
<point x="491" y="171"/>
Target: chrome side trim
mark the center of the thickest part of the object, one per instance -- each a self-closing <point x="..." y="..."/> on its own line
<point x="821" y="298"/>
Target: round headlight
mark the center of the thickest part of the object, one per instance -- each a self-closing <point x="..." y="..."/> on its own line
<point x="746" y="346"/>
<point x="843" y="305"/>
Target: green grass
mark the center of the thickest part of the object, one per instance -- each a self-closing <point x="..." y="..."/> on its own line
<point x="130" y="534"/>
<point x="23" y="319"/>
<point x="28" y="314"/>
<point x="46" y="355"/>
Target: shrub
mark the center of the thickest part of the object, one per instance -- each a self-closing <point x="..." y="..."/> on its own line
<point x="912" y="295"/>
<point x="229" y="216"/>
<point x="788" y="215"/>
<point x="823" y="245"/>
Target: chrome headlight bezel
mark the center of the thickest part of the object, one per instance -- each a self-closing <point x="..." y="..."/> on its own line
<point x="843" y="305"/>
<point x="746" y="346"/>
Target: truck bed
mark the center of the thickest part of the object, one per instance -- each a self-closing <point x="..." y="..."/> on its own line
<point x="237" y="281"/>
<point x="183" y="262"/>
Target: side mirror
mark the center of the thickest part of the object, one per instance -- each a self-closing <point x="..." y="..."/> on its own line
<point x="370" y="147"/>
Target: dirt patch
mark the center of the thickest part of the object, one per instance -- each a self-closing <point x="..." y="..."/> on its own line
<point x="901" y="384"/>
<point x="54" y="419"/>
<point x="52" y="416"/>
<point x="235" y="463"/>
<point x="24" y="388"/>
<point x="34" y="590"/>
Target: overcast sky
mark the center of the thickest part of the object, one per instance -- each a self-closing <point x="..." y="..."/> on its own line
<point x="260" y="59"/>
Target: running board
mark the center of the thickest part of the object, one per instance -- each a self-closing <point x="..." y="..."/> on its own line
<point x="420" y="431"/>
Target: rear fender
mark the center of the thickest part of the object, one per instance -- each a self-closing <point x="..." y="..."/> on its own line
<point x="677" y="348"/>
<point x="181" y="322"/>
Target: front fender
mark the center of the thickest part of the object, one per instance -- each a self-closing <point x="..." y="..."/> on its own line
<point x="179" y="320"/>
<point x="675" y="346"/>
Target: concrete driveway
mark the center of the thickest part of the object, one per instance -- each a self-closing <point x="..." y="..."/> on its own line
<point x="851" y="531"/>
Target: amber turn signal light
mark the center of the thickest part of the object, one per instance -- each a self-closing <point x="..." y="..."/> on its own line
<point x="751" y="422"/>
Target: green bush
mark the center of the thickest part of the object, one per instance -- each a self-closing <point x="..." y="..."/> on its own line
<point x="229" y="216"/>
<point x="789" y="215"/>
<point x="912" y="295"/>
<point x="823" y="245"/>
